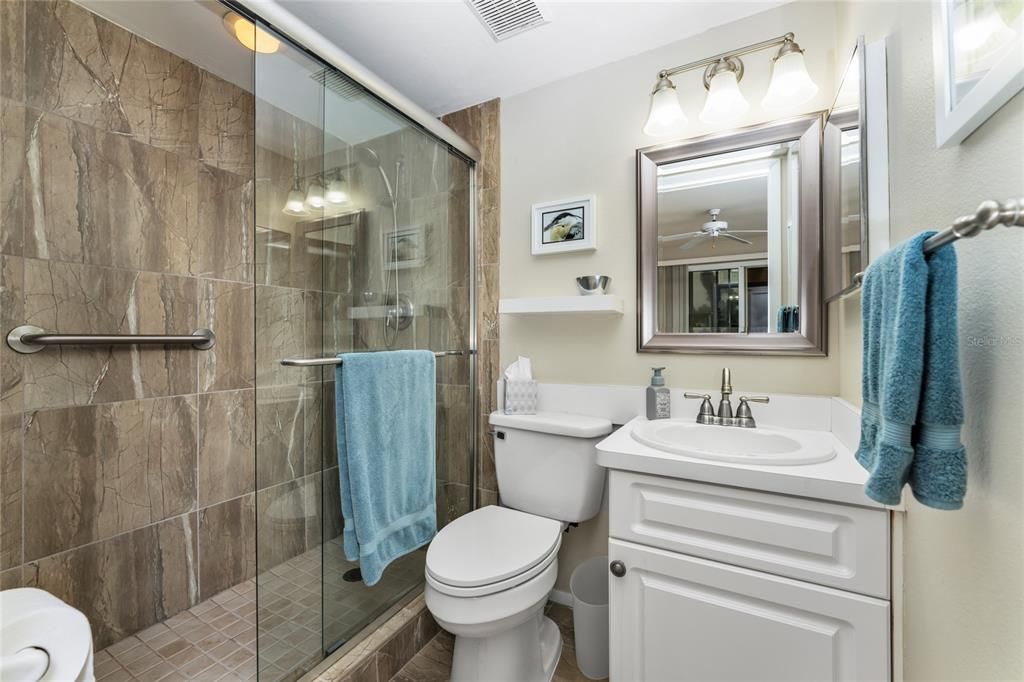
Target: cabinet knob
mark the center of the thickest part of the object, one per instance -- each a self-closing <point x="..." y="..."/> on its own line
<point x="617" y="568"/>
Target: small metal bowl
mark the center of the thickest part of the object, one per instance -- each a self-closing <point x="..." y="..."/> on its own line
<point x="590" y="285"/>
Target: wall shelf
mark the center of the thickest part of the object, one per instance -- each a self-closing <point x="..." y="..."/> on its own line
<point x="606" y="304"/>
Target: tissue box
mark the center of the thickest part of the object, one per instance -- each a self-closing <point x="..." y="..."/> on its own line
<point x="520" y="396"/>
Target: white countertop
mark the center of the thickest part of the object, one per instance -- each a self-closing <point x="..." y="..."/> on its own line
<point x="840" y="479"/>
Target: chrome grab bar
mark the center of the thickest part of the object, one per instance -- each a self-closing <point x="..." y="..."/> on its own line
<point x="31" y="339"/>
<point x="321" y="362"/>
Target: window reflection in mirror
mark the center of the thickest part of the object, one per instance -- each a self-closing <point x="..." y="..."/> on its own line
<point x="728" y="242"/>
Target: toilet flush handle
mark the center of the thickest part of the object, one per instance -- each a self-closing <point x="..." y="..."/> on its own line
<point x="617" y="568"/>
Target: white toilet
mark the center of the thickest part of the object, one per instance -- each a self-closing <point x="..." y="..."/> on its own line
<point x="489" y="572"/>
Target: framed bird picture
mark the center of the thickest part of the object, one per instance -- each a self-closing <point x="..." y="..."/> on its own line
<point x="563" y="226"/>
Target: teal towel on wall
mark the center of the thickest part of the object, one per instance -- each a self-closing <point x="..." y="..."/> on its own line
<point x="386" y="405"/>
<point x="913" y="405"/>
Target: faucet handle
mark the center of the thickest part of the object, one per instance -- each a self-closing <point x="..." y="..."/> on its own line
<point x="754" y="399"/>
<point x="706" y="413"/>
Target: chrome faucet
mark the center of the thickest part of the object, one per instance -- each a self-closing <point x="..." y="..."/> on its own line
<point x="724" y="406"/>
<point x="743" y="418"/>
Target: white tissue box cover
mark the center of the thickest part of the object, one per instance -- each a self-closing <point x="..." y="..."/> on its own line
<point x="520" y="396"/>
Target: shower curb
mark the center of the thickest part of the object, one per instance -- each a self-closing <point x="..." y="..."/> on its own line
<point x="381" y="648"/>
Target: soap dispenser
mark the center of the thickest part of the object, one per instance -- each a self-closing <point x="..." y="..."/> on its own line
<point x="659" y="400"/>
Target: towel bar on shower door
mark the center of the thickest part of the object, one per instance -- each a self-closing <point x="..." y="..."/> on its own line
<point x="31" y="339"/>
<point x="321" y="362"/>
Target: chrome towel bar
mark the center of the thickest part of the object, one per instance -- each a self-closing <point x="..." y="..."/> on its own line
<point x="321" y="362"/>
<point x="989" y="214"/>
<point x="31" y="339"/>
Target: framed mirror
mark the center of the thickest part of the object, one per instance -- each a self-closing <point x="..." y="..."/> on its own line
<point x="729" y="242"/>
<point x="979" y="63"/>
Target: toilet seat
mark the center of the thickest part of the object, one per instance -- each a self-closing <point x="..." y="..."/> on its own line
<point x="490" y="550"/>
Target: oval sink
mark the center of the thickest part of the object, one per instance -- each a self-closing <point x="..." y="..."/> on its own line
<point x="733" y="444"/>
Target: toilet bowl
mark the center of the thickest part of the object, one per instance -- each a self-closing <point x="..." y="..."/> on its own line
<point x="489" y="572"/>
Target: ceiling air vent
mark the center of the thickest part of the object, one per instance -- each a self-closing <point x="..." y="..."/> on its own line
<point x="338" y="82"/>
<point x="506" y="18"/>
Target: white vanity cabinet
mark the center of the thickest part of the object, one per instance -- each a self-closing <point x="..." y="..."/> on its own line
<point x="731" y="584"/>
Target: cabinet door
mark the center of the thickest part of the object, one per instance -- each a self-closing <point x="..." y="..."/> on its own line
<point x="675" y="617"/>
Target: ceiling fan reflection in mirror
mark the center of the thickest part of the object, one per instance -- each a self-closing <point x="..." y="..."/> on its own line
<point x="714" y="229"/>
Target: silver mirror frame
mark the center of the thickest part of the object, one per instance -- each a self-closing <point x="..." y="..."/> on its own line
<point x="812" y="338"/>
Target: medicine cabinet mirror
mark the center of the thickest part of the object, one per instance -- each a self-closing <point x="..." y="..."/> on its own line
<point x="855" y="175"/>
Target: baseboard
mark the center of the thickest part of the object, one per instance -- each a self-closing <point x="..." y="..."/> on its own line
<point x="561" y="597"/>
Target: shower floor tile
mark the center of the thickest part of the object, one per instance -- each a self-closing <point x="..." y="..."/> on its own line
<point x="216" y="638"/>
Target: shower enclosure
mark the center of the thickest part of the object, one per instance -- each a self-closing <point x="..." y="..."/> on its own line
<point x="170" y="166"/>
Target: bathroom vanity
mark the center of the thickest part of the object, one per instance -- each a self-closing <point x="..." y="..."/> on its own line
<point x="726" y="570"/>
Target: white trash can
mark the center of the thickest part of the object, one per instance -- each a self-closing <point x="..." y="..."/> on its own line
<point x="589" y="587"/>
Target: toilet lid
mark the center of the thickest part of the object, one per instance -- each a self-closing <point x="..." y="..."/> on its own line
<point x="489" y="545"/>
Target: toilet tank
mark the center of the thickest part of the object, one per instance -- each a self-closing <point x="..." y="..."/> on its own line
<point x="547" y="463"/>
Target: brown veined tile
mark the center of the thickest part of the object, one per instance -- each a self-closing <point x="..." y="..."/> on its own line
<point x="11" y="539"/>
<point x="104" y="199"/>
<point x="85" y="68"/>
<point x="12" y="159"/>
<point x="228" y="309"/>
<point x="280" y="315"/>
<point x="227" y="445"/>
<point x="225" y="225"/>
<point x="11" y="314"/>
<point x="282" y="521"/>
<point x="12" y="49"/>
<point x="281" y="434"/>
<point x="129" y="582"/>
<point x="72" y="298"/>
<point x="115" y="467"/>
<point x="227" y="123"/>
<point x="227" y="542"/>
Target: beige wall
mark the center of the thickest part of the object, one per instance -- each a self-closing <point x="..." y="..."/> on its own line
<point x="964" y="571"/>
<point x="578" y="136"/>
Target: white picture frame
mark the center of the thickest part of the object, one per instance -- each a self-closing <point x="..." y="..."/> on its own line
<point x="564" y="226"/>
<point x="955" y="120"/>
<point x="413" y="256"/>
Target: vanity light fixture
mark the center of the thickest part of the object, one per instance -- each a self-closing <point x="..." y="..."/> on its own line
<point x="251" y="36"/>
<point x="790" y="86"/>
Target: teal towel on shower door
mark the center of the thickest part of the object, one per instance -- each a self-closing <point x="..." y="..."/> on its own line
<point x="385" y="403"/>
<point x="913" y="405"/>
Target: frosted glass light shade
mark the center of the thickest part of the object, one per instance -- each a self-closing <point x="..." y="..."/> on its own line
<point x="315" y="195"/>
<point x="296" y="203"/>
<point x="790" y="85"/>
<point x="666" y="117"/>
<point x="337" y="192"/>
<point x="724" y="102"/>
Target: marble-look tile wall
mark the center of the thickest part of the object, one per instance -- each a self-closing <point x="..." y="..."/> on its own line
<point x="126" y="205"/>
<point x="480" y="125"/>
<point x="433" y="197"/>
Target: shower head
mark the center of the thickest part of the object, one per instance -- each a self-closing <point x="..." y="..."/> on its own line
<point x="370" y="158"/>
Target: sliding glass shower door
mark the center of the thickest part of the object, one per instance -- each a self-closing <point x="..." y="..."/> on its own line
<point x="362" y="244"/>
